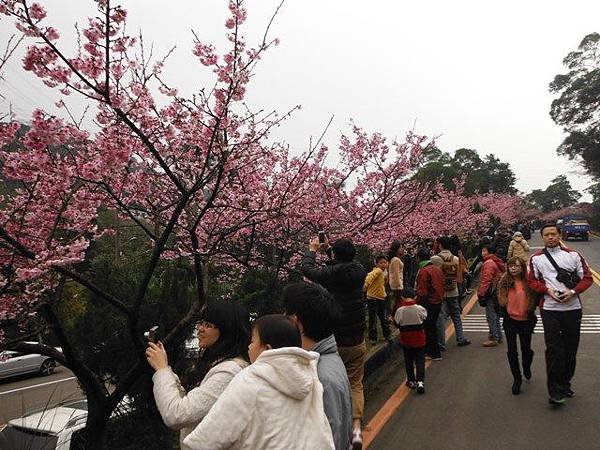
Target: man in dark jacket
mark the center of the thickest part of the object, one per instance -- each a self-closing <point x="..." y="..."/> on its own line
<point x="344" y="278"/>
<point x="430" y="292"/>
<point x="502" y="242"/>
<point x="315" y="313"/>
<point x="410" y="267"/>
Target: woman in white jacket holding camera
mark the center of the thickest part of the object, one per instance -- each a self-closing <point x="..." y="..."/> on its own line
<point x="276" y="403"/>
<point x="223" y="335"/>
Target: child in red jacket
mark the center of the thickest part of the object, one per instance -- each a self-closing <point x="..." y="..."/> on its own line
<point x="409" y="318"/>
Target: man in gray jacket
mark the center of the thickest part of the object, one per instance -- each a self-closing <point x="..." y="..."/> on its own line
<point x="315" y="313"/>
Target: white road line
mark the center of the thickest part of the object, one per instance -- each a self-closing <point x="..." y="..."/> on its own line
<point x="37" y="386"/>
<point x="590" y="324"/>
<point x="486" y="330"/>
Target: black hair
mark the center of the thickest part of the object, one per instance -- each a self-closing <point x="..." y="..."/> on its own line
<point x="444" y="242"/>
<point x="424" y="253"/>
<point x="393" y="251"/>
<point x="455" y="245"/>
<point x="343" y="250"/>
<point x="549" y="225"/>
<point x="491" y="248"/>
<point x="408" y="292"/>
<point x="314" y="307"/>
<point x="380" y="257"/>
<point x="233" y="322"/>
<point x="277" y="331"/>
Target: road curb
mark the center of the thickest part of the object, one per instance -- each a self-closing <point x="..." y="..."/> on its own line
<point x="380" y="356"/>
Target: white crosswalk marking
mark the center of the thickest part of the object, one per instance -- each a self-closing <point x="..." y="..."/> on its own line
<point x="590" y="324"/>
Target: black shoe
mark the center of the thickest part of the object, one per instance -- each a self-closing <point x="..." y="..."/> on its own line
<point x="527" y="373"/>
<point x="420" y="387"/>
<point x="464" y="343"/>
<point x="411" y="384"/>
<point x="556" y="401"/>
<point x="570" y="393"/>
<point x="516" y="387"/>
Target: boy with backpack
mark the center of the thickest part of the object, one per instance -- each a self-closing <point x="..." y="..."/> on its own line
<point x="409" y="318"/>
<point x="449" y="264"/>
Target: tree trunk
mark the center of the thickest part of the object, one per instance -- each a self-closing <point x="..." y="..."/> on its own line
<point x="95" y="428"/>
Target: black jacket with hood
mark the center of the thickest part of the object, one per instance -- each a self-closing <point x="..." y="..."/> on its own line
<point x="344" y="281"/>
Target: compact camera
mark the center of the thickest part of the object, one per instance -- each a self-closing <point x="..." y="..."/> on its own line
<point x="152" y="334"/>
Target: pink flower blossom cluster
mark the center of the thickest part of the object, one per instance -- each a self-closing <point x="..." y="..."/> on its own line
<point x="196" y="175"/>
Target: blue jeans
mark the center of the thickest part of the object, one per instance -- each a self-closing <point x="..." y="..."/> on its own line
<point x="493" y="321"/>
<point x="450" y="308"/>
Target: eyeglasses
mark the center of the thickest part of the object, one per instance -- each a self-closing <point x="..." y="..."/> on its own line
<point x="205" y="324"/>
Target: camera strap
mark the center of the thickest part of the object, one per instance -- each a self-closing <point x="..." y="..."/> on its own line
<point x="551" y="259"/>
<point x="556" y="266"/>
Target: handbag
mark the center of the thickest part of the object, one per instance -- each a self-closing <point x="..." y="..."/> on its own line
<point x="566" y="277"/>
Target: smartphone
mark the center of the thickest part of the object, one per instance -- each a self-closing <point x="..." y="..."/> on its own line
<point x="321" y="237"/>
<point x="152" y="334"/>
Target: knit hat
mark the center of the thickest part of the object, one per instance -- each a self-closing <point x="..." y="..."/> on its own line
<point x="517" y="234"/>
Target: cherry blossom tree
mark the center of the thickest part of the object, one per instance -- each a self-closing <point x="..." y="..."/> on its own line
<point x="506" y="208"/>
<point x="190" y="174"/>
<point x="197" y="177"/>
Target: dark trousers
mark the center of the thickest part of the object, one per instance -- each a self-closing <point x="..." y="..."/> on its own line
<point x="524" y="330"/>
<point x="414" y="357"/>
<point x="377" y="308"/>
<point x="432" y="346"/>
<point x="561" y="334"/>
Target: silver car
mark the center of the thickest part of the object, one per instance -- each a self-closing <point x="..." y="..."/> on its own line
<point x="15" y="363"/>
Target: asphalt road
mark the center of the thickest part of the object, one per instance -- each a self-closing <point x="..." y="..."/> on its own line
<point x="24" y="394"/>
<point x="468" y="403"/>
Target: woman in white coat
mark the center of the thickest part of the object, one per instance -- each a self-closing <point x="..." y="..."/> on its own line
<point x="276" y="403"/>
<point x="223" y="335"/>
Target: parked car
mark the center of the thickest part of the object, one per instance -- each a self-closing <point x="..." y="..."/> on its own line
<point x="54" y="428"/>
<point x="576" y="228"/>
<point x="14" y="363"/>
<point x="51" y="429"/>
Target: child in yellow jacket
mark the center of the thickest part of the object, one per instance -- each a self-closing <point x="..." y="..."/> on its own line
<point x="376" y="298"/>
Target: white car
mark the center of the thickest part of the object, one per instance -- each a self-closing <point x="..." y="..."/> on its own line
<point x="51" y="429"/>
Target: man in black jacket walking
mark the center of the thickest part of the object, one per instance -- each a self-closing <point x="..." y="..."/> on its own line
<point x="344" y="278"/>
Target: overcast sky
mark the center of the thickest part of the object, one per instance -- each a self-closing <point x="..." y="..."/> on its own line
<point x="474" y="73"/>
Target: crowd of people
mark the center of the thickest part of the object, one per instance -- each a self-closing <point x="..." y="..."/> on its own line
<point x="253" y="382"/>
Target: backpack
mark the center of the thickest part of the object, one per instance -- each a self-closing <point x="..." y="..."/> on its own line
<point x="450" y="271"/>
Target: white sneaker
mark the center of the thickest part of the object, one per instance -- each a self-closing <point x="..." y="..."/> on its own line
<point x="357" y="440"/>
<point x="420" y="387"/>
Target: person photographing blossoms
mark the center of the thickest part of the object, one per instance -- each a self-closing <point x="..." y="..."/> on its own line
<point x="223" y="336"/>
<point x="344" y="279"/>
